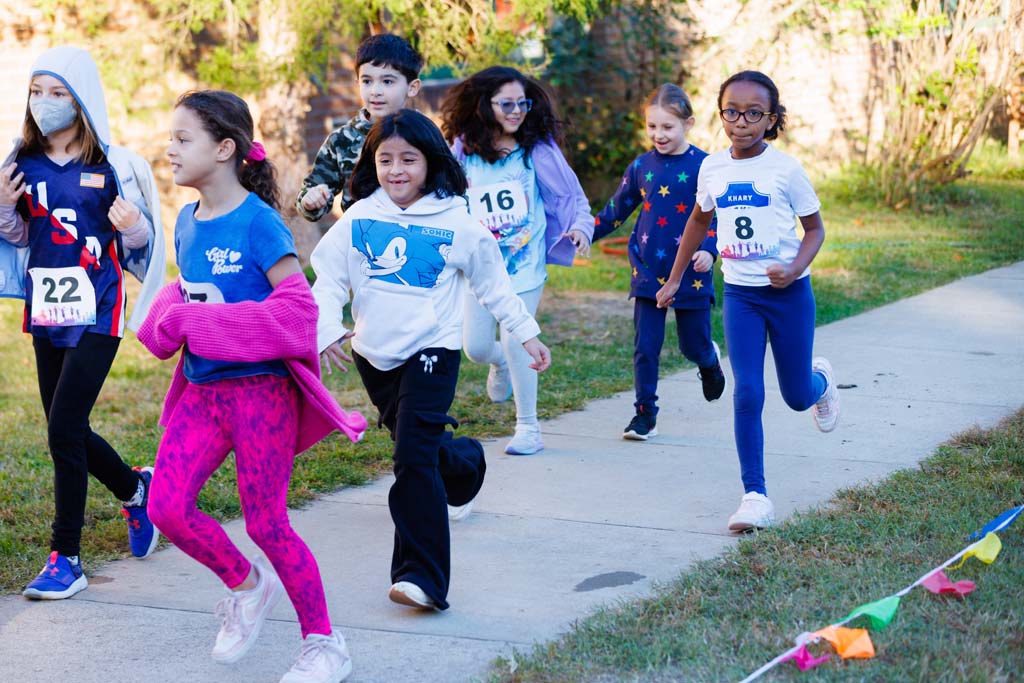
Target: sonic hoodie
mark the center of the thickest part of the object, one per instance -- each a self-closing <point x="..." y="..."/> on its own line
<point x="132" y="174"/>
<point x="407" y="271"/>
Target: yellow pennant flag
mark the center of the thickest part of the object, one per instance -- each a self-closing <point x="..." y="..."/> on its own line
<point x="848" y="642"/>
<point x="985" y="550"/>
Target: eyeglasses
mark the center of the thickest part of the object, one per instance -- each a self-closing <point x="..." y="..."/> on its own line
<point x="750" y="115"/>
<point x="509" y="106"/>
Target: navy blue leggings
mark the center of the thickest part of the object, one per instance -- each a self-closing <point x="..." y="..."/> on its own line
<point x="753" y="316"/>
<point x="693" y="328"/>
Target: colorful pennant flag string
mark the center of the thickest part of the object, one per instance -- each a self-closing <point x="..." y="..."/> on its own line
<point x="856" y="642"/>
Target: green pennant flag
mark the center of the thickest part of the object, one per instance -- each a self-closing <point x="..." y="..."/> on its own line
<point x="879" y="613"/>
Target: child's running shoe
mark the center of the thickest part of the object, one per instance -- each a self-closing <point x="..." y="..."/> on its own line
<point x="826" y="410"/>
<point x="641" y="427"/>
<point x="59" y="579"/>
<point x="142" y="535"/>
<point x="712" y="379"/>
<point x="499" y="382"/>
<point x="409" y="594"/>
<point x="243" y="614"/>
<point x="755" y="512"/>
<point x="527" y="440"/>
<point x="322" y="659"/>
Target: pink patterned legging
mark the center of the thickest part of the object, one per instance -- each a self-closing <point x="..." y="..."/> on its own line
<point x="257" y="417"/>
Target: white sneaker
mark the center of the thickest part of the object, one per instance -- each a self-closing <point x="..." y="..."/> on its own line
<point x="243" y="614"/>
<point x="458" y="513"/>
<point x="826" y="410"/>
<point x="499" y="382"/>
<point x="411" y="595"/>
<point x="322" y="659"/>
<point x="526" y="440"/>
<point x="755" y="511"/>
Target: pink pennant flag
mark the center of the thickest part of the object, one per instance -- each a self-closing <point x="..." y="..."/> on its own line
<point x="940" y="583"/>
<point x="804" y="659"/>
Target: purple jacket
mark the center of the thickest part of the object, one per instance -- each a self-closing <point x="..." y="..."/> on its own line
<point x="565" y="205"/>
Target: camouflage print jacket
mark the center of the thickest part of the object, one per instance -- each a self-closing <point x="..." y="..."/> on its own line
<point x="334" y="165"/>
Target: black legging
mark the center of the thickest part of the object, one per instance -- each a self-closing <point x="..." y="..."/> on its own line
<point x="70" y="380"/>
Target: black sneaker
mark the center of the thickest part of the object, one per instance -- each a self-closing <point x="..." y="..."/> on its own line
<point x="712" y="379"/>
<point x="640" y="427"/>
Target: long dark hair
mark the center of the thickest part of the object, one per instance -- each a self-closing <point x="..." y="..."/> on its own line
<point x="467" y="112"/>
<point x="775" y="107"/>
<point x="445" y="177"/>
<point x="225" y="115"/>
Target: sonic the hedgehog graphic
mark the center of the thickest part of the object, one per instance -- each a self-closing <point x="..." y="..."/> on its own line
<point x="404" y="255"/>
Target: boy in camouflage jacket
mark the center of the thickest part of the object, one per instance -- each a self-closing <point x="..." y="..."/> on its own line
<point x="388" y="70"/>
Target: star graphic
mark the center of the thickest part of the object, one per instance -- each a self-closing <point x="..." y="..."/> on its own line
<point x="660" y="254"/>
<point x="616" y="224"/>
<point x="637" y="163"/>
<point x="643" y="238"/>
<point x="611" y="202"/>
<point x="677" y="239"/>
<point x="697" y="284"/>
<point x="643" y="192"/>
<point x="663" y="191"/>
<point x="681" y="208"/>
<point x="629" y="202"/>
<point x="711" y="232"/>
<point x="597" y="221"/>
<point x="634" y="272"/>
<point x="648" y="176"/>
<point x="682" y="177"/>
<point x="662" y="221"/>
<point x="661" y="280"/>
<point x="625" y="181"/>
<point x="647" y="206"/>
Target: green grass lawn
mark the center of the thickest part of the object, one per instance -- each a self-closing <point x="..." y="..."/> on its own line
<point x="871" y="256"/>
<point x="725" y="617"/>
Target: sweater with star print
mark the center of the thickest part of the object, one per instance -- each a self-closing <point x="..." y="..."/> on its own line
<point x="663" y="187"/>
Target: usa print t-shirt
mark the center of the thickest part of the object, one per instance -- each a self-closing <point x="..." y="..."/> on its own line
<point x="225" y="260"/>
<point x="75" y="282"/>
<point x="757" y="202"/>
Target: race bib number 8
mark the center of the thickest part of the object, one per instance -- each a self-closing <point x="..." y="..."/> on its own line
<point x="500" y="207"/>
<point x="62" y="297"/>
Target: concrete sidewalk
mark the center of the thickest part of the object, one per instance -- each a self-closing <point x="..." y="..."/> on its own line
<point x="590" y="520"/>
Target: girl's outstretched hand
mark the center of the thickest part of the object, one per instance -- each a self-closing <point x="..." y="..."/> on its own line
<point x="123" y="214"/>
<point x="667" y="294"/>
<point x="582" y="242"/>
<point x="335" y="355"/>
<point x="702" y="261"/>
<point x="540" y="354"/>
<point x="11" y="186"/>
<point x="780" y="276"/>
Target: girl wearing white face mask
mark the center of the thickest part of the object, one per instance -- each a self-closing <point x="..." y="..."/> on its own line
<point x="75" y="213"/>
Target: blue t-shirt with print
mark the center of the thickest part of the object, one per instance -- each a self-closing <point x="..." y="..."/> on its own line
<point x="505" y="198"/>
<point x="225" y="260"/>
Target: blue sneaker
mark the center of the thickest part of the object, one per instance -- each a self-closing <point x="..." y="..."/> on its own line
<point x="59" y="579"/>
<point x="142" y="535"/>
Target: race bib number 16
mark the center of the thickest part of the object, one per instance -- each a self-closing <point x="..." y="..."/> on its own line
<point x="62" y="297"/>
<point x="500" y="207"/>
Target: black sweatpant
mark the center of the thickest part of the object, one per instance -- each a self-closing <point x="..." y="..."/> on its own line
<point x="70" y="380"/>
<point x="432" y="469"/>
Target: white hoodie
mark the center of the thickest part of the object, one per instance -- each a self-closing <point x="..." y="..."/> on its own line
<point x="407" y="271"/>
<point x="77" y="70"/>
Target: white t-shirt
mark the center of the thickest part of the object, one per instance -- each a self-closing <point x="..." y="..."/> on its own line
<point x="757" y="201"/>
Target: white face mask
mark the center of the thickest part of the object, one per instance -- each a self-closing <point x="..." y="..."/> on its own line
<point x="52" y="115"/>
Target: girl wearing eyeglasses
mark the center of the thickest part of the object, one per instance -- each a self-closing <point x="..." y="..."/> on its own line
<point x="757" y="193"/>
<point x="503" y="129"/>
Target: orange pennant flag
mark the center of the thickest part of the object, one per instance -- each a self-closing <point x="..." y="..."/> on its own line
<point x="848" y="642"/>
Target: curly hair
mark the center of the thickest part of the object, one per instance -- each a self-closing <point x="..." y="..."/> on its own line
<point x="775" y="107"/>
<point x="467" y="113"/>
<point x="226" y="115"/>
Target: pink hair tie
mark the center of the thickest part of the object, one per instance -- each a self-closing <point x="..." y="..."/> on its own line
<point x="256" y="153"/>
